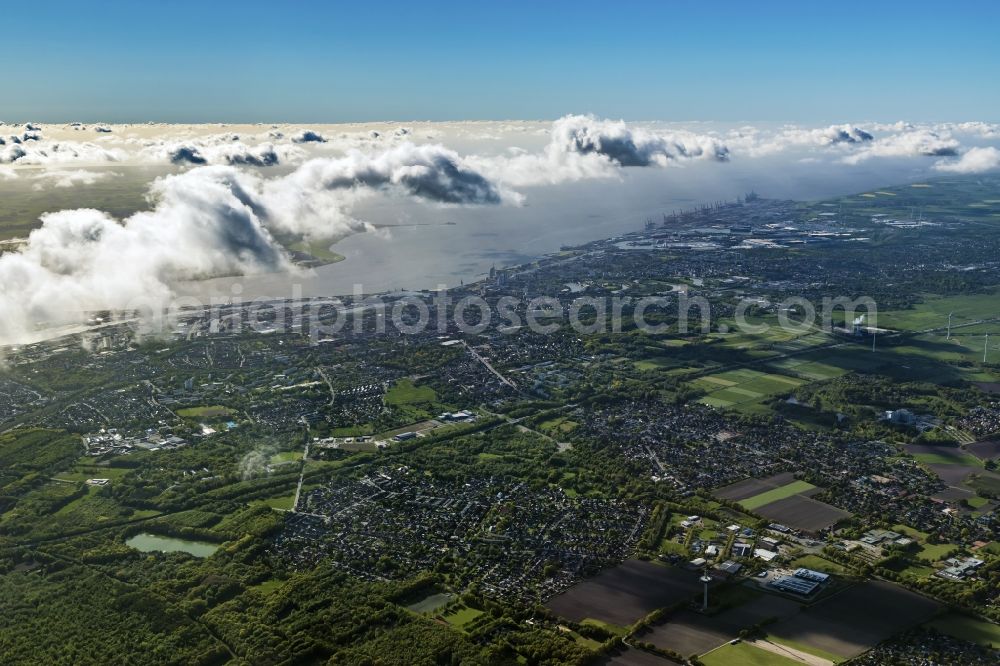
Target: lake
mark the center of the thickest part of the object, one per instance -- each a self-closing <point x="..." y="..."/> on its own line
<point x="154" y="543"/>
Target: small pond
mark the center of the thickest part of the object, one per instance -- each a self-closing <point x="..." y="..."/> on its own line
<point x="153" y="542"/>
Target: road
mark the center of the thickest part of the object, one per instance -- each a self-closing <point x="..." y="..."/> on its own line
<point x="489" y="367"/>
<point x="791" y="653"/>
<point x="302" y="474"/>
<point x="333" y="394"/>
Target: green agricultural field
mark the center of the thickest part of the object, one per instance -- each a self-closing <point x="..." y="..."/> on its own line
<point x="817" y="563"/>
<point x="743" y="387"/>
<point x="931" y="356"/>
<point x="772" y="338"/>
<point x="87" y="470"/>
<point x="321" y="251"/>
<point x="972" y="197"/>
<point x="461" y="617"/>
<point x="808" y="649"/>
<point x="431" y="602"/>
<point x="652" y="364"/>
<point x="986" y="484"/>
<point x="732" y="596"/>
<point x="204" y="412"/>
<point x="927" y="551"/>
<point x="926" y="358"/>
<point x="353" y="431"/>
<point x="286" y="456"/>
<point x="662" y="365"/>
<point x="943" y="459"/>
<point x="405" y="392"/>
<point x="744" y="654"/>
<point x="917" y="571"/>
<point x="809" y="370"/>
<point x="977" y="502"/>
<point x="673" y="548"/>
<point x="607" y="626"/>
<point x="283" y="503"/>
<point x="268" y="586"/>
<point x="787" y="490"/>
<point x="558" y="426"/>
<point x="933" y="312"/>
<point x="968" y="628"/>
<point x="910" y="532"/>
<point x="993" y="548"/>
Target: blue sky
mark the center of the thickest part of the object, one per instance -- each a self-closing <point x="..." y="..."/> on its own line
<point x="335" y="61"/>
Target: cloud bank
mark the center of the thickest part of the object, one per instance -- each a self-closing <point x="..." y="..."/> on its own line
<point x="30" y="149"/>
<point x="82" y="259"/>
<point x="210" y="221"/>
<point x="916" y="143"/>
<point x="586" y="135"/>
<point x="66" y="178"/>
<point x="577" y="146"/>
<point x="308" y="136"/>
<point x="233" y="154"/>
<point x="218" y="216"/>
<point x="974" y="160"/>
<point x="582" y="147"/>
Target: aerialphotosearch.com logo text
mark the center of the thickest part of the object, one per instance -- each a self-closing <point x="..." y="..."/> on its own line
<point x="417" y="313"/>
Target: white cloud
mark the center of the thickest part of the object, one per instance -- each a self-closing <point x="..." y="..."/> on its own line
<point x="916" y="143"/>
<point x="974" y="160"/>
<point x="309" y="136"/>
<point x="83" y="259"/>
<point x="234" y="153"/>
<point x="322" y="189"/>
<point x="69" y="177"/>
<point x="976" y="128"/>
<point x="38" y="152"/>
<point x="582" y="147"/>
<point x="754" y="142"/>
<point x="210" y="221"/>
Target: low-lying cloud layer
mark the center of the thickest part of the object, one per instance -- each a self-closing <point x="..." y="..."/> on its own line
<point x="233" y="154"/>
<point x="36" y="152"/>
<point x="582" y="147"/>
<point x="81" y="260"/>
<point x="66" y="178"/>
<point x="915" y="143"/>
<point x="226" y="196"/>
<point x="210" y="221"/>
<point x="586" y="135"/>
<point x="974" y="160"/>
<point x="578" y="146"/>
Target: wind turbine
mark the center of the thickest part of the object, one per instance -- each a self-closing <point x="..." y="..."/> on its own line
<point x="986" y="347"/>
<point x="949" y="325"/>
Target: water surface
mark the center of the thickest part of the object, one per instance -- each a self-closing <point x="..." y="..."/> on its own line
<point x="154" y="543"/>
